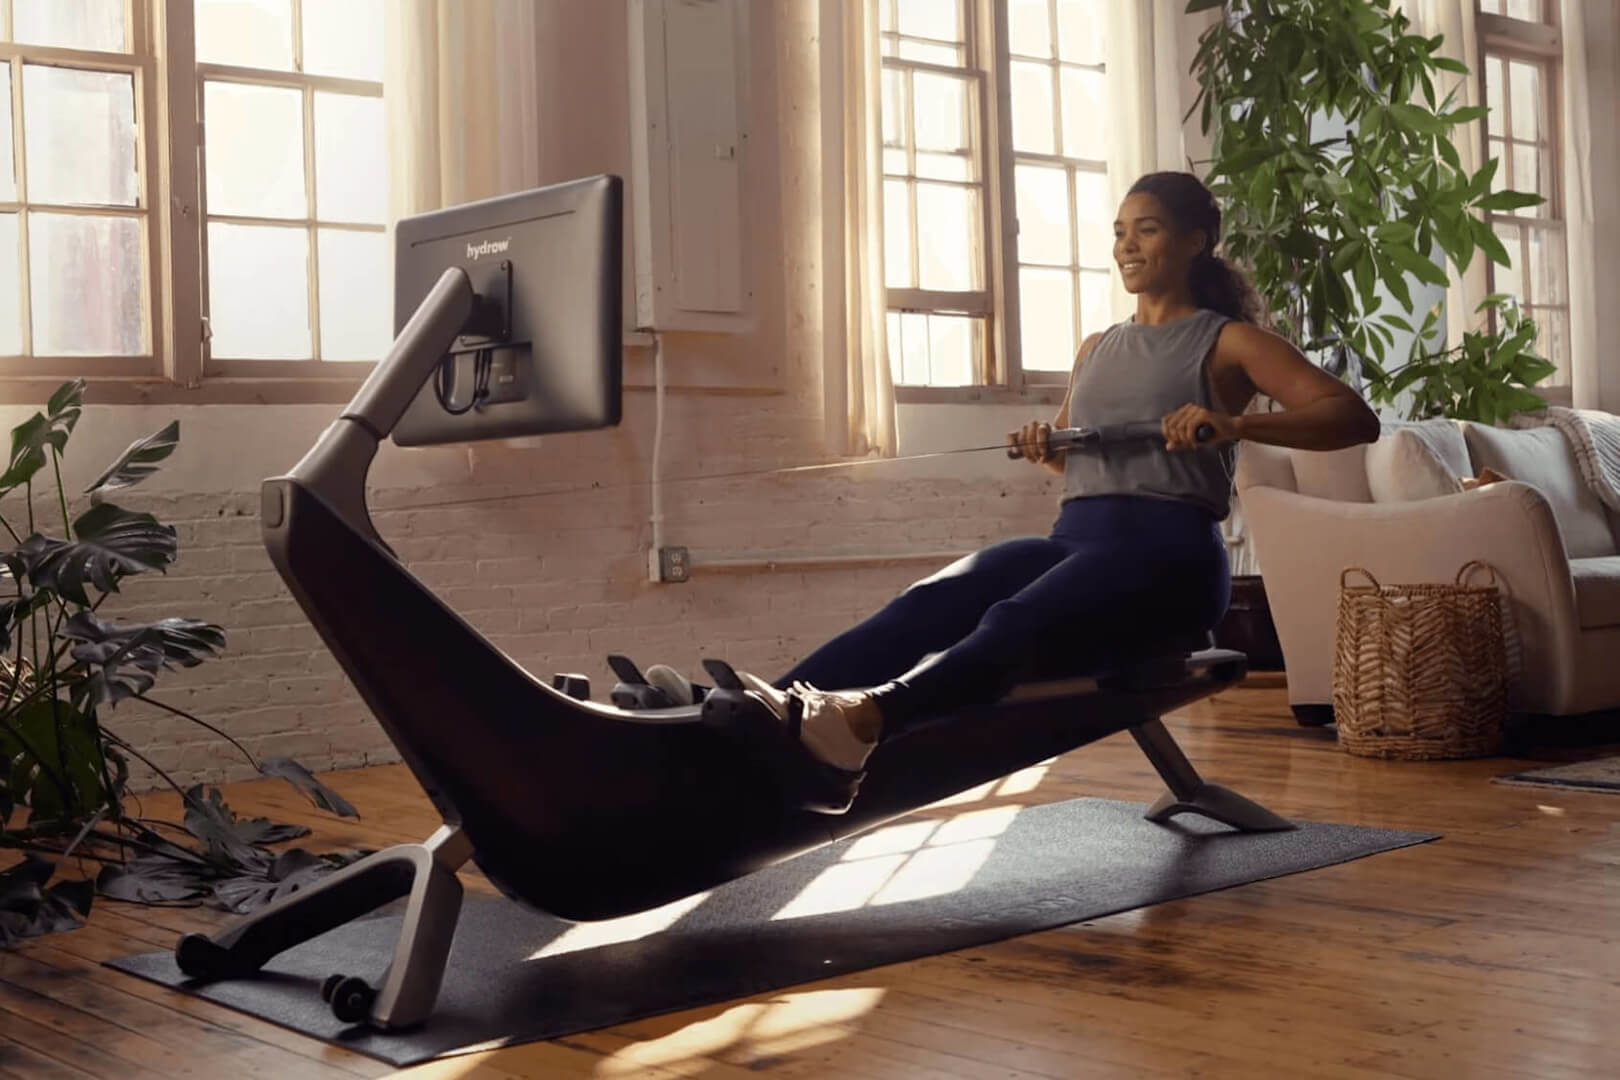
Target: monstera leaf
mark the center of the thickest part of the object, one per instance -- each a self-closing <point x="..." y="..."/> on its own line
<point x="136" y="463"/>
<point x="51" y="428"/>
<point x="304" y="780"/>
<point x="44" y="745"/>
<point x="14" y="612"/>
<point x="125" y="660"/>
<point x="112" y="543"/>
<point x="28" y="908"/>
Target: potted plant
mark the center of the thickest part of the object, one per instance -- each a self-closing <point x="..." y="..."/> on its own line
<point x="1331" y="154"/>
<point x="64" y="668"/>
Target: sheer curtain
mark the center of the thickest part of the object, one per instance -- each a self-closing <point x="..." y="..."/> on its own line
<point x="462" y="102"/>
<point x="859" y="391"/>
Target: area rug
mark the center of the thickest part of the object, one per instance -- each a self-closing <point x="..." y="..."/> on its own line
<point x="915" y="888"/>
<point x="1601" y="774"/>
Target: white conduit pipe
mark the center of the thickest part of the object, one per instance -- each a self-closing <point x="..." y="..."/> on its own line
<point x="654" y="570"/>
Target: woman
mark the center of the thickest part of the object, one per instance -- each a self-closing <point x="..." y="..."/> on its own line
<point x="1136" y="554"/>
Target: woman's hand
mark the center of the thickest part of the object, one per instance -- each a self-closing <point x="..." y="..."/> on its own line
<point x="1181" y="428"/>
<point x="1033" y="441"/>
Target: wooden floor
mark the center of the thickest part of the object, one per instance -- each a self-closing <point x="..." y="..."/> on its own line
<point x="1491" y="953"/>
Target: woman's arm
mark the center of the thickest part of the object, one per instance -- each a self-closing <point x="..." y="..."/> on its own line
<point x="1319" y="411"/>
<point x="1061" y="420"/>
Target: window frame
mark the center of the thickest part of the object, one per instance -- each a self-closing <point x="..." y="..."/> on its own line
<point x="171" y="172"/>
<point x="1005" y="379"/>
<point x="1541" y="43"/>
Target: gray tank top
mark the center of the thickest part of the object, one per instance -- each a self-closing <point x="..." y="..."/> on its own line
<point x="1137" y="372"/>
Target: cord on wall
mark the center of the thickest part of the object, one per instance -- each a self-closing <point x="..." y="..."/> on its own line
<point x="655" y="569"/>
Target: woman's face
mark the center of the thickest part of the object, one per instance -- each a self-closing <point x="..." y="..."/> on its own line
<point x="1152" y="257"/>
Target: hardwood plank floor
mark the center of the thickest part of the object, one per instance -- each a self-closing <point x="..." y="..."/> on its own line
<point x="1491" y="953"/>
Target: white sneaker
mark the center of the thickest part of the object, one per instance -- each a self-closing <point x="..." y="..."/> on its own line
<point x="826" y="719"/>
<point x="677" y="687"/>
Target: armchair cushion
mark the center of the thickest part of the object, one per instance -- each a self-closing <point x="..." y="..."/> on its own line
<point x="1597" y="590"/>
<point x="1407" y="464"/>
<point x="1543" y="458"/>
<point x="1339" y="475"/>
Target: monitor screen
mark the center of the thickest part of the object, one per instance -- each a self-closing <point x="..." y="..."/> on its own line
<point x="545" y="353"/>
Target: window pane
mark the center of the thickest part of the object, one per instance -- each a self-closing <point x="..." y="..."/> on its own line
<point x="1491" y="7"/>
<point x="1497" y="149"/>
<point x="355" y="289"/>
<point x="1043" y="215"/>
<point x="941" y="121"/>
<point x="1548" y="267"/>
<point x="938" y="19"/>
<point x="1029" y="27"/>
<point x="1046" y="311"/>
<point x="248" y="33"/>
<point x="344" y="38"/>
<point x="1094" y="215"/>
<point x="1527" y="178"/>
<point x="1552" y="342"/>
<point x="10" y="288"/>
<point x="896" y="236"/>
<point x="945" y="167"/>
<point x="886" y="16"/>
<point x="8" y="171"/>
<point x="351" y="179"/>
<point x="1507" y="279"/>
<point x="1080" y="31"/>
<point x="85" y="277"/>
<point x="947" y="222"/>
<point x="945" y="55"/>
<point x="1523" y="9"/>
<point x="1494" y="74"/>
<point x="894" y="162"/>
<point x="1085" y="114"/>
<point x="255" y="140"/>
<point x="892" y="324"/>
<point x="950" y="350"/>
<point x="79" y="132"/>
<point x="1525" y="87"/>
<point x="1032" y="108"/>
<point x="258" y="292"/>
<point x="914" y="349"/>
<point x="894" y="108"/>
<point x="1096" y="302"/>
<point x="96" y="25"/>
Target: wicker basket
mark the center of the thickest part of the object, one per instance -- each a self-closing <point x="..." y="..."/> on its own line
<point x="1420" y="671"/>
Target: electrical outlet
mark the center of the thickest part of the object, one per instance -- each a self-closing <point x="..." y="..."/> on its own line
<point x="674" y="564"/>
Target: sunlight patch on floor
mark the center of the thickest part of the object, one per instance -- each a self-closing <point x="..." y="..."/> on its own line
<point x="1025" y="780"/>
<point x="973" y="794"/>
<point x="783" y="1025"/>
<point x="617" y="931"/>
<point x="910" y="861"/>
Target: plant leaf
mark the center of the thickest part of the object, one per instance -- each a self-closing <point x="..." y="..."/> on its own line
<point x="125" y="660"/>
<point x="50" y="428"/>
<point x="304" y="780"/>
<point x="28" y="908"/>
<point x="136" y="463"/>
<point x="112" y="543"/>
<point x="32" y="757"/>
<point x="1508" y="200"/>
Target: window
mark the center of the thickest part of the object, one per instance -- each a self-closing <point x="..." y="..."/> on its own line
<point x="78" y="285"/>
<point x="1522" y="72"/>
<point x="259" y="122"/>
<point x="997" y="211"/>
<point x="293" y="184"/>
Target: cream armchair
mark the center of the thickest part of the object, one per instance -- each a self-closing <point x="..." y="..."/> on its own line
<point x="1310" y="515"/>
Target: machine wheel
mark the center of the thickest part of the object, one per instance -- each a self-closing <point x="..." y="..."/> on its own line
<point x="351" y="998"/>
<point x="199" y="957"/>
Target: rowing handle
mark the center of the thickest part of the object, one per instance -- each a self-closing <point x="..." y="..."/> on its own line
<point x="1145" y="429"/>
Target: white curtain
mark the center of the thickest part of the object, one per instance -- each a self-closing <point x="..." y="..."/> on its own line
<point x="860" y="387"/>
<point x="1454" y="20"/>
<point x="462" y="102"/>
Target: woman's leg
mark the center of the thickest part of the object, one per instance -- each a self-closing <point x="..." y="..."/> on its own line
<point x="929" y="616"/>
<point x="1120" y="587"/>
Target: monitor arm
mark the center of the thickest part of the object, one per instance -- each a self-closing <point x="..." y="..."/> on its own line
<point x="336" y="466"/>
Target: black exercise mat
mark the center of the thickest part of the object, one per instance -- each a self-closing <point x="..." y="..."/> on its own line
<point x="1042" y="867"/>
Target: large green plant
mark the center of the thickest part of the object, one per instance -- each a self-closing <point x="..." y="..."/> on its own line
<point x="63" y="772"/>
<point x="1322" y="223"/>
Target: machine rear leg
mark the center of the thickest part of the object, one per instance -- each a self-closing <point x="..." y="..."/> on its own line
<point x="1190" y="793"/>
<point x="426" y="872"/>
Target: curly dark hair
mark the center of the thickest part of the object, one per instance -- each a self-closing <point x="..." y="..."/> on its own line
<point x="1216" y="283"/>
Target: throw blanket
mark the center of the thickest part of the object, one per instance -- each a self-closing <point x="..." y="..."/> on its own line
<point x="1595" y="438"/>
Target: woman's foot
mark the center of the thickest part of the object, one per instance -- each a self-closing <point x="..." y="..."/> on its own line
<point x="815" y="741"/>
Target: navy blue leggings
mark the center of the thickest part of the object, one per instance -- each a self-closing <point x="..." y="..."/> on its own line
<point x="1117" y="573"/>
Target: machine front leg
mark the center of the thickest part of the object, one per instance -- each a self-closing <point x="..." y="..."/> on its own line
<point x="1190" y="793"/>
